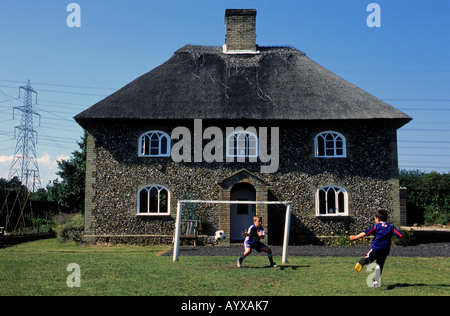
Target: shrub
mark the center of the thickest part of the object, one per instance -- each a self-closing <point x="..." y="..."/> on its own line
<point x="428" y="196"/>
<point x="436" y="214"/>
<point x="72" y="230"/>
<point x="344" y="240"/>
<point x="409" y="238"/>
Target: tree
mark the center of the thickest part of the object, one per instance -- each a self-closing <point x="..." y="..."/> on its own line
<point x="70" y="191"/>
<point x="428" y="196"/>
<point x="12" y="184"/>
<point x="435" y="188"/>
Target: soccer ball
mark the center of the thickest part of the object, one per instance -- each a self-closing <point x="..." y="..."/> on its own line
<point x="220" y="235"/>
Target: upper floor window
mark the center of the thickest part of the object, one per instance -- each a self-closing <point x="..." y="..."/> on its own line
<point x="242" y="144"/>
<point x="153" y="200"/>
<point x="329" y="144"/>
<point x="154" y="144"/>
<point x="331" y="201"/>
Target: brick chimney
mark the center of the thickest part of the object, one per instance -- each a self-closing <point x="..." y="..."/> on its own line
<point x="240" y="31"/>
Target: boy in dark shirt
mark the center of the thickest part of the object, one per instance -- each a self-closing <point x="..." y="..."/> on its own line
<point x="381" y="245"/>
<point x="252" y="237"/>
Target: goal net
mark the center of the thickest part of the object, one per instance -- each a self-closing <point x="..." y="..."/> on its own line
<point x="287" y="224"/>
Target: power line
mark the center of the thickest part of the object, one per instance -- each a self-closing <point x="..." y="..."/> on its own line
<point x="64" y="92"/>
<point x="423" y="147"/>
<point x="425" y="155"/>
<point x="423" y="167"/>
<point x="415" y="100"/>
<point x="61" y="85"/>
<point x="48" y="108"/>
<point x="424" y="109"/>
<point x="426" y="129"/>
<point x="425" y="141"/>
<point x="115" y="89"/>
<point x="436" y="163"/>
<point x="58" y="103"/>
<point x="431" y="123"/>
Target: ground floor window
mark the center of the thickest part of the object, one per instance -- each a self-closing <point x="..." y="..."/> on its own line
<point x="153" y="200"/>
<point x="331" y="201"/>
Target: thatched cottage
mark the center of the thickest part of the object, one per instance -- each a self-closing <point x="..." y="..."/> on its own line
<point x="239" y="122"/>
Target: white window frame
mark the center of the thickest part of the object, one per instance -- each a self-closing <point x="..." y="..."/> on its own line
<point x="148" y="188"/>
<point x="160" y="138"/>
<point x="238" y="144"/>
<point x="334" y="145"/>
<point x="336" y="211"/>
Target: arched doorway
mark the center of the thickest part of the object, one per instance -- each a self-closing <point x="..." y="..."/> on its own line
<point x="241" y="215"/>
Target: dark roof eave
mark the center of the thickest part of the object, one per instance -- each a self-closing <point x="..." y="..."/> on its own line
<point x="394" y="122"/>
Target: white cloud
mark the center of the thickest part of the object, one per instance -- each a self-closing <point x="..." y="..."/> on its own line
<point x="62" y="157"/>
<point x="6" y="159"/>
<point x="5" y="165"/>
<point x="46" y="163"/>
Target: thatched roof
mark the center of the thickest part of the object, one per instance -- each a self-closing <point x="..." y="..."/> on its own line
<point x="278" y="83"/>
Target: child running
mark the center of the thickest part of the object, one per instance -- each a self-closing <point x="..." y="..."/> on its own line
<point x="252" y="241"/>
<point x="381" y="245"/>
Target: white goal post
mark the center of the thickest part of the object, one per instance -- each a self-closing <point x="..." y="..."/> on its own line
<point x="287" y="224"/>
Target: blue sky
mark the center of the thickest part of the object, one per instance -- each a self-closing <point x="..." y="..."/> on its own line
<point x="405" y="62"/>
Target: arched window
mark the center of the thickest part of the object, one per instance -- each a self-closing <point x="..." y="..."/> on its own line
<point x="329" y="144"/>
<point x="154" y="200"/>
<point x="242" y="144"/>
<point x="331" y="201"/>
<point x="154" y="144"/>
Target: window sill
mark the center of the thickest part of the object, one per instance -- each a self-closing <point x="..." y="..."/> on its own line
<point x="330" y="156"/>
<point x="332" y="215"/>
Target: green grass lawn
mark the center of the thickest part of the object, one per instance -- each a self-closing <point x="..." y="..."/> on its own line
<point x="39" y="268"/>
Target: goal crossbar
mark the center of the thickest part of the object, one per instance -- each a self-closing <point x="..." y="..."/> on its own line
<point x="287" y="224"/>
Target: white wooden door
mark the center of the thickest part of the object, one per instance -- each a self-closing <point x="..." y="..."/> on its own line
<point x="241" y="215"/>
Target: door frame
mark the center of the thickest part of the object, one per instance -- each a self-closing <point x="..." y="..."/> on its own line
<point x="262" y="193"/>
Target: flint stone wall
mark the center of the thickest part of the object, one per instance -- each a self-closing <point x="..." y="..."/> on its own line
<point x="115" y="174"/>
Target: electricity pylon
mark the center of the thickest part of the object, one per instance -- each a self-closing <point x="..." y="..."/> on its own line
<point x="24" y="164"/>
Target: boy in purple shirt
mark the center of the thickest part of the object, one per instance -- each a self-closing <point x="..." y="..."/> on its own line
<point x="381" y="245"/>
<point x="252" y="241"/>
